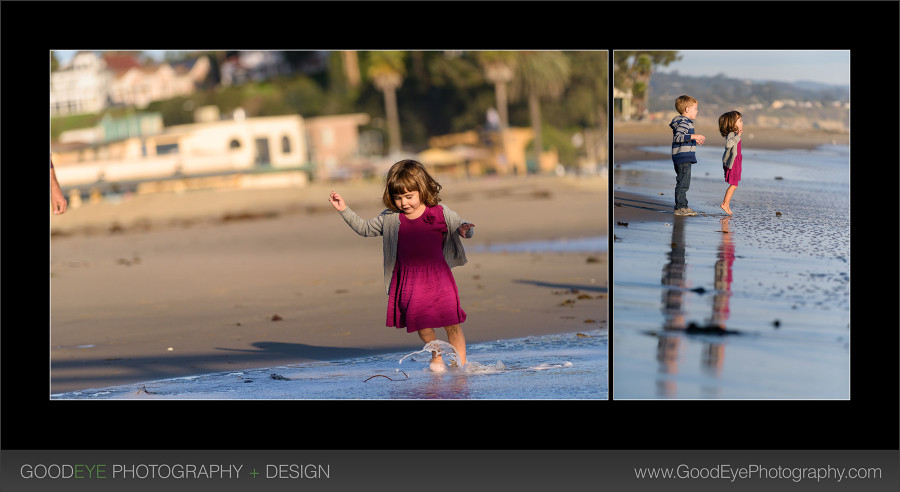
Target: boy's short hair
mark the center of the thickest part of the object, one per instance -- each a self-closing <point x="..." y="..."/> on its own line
<point x="683" y="102"/>
<point x="728" y="122"/>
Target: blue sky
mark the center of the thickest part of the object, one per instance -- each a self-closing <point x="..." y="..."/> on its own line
<point x="828" y="67"/>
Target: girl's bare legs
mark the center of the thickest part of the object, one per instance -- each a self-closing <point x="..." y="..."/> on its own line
<point x="427" y="335"/>
<point x="454" y="336"/>
<point x="458" y="340"/>
<point x="726" y="202"/>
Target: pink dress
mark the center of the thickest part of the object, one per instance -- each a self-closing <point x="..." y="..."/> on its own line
<point x="423" y="292"/>
<point x="733" y="175"/>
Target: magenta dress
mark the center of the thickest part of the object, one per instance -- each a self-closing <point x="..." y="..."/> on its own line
<point x="733" y="175"/>
<point x="423" y="292"/>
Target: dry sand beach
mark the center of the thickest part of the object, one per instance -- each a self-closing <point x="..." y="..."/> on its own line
<point x="166" y="285"/>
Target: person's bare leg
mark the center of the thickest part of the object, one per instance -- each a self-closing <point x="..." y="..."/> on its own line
<point x="437" y="362"/>
<point x="726" y="202"/>
<point x="458" y="340"/>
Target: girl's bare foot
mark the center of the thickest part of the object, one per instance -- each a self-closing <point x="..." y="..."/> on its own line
<point x="437" y="363"/>
<point x="726" y="208"/>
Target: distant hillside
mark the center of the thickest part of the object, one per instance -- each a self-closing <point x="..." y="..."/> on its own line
<point x="768" y="103"/>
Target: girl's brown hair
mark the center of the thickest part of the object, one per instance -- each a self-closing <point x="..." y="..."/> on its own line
<point x="409" y="175"/>
<point x="728" y="122"/>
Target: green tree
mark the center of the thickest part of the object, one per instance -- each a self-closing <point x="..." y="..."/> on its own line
<point x="633" y="70"/>
<point x="386" y="71"/>
<point x="455" y="97"/>
<point x="499" y="69"/>
<point x="539" y="74"/>
<point x="587" y="100"/>
<point x="350" y="66"/>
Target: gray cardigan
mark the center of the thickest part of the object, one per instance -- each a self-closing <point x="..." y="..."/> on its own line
<point x="730" y="149"/>
<point x="387" y="225"/>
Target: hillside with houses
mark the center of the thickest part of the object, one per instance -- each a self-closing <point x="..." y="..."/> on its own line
<point x="796" y="106"/>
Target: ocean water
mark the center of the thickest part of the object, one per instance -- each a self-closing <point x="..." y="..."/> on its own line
<point x="753" y="306"/>
<point x="557" y="367"/>
<point x="594" y="244"/>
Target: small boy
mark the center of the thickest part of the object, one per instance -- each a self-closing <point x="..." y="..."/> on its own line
<point x="684" y="143"/>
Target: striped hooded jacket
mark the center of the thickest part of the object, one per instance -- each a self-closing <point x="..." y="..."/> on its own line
<point x="683" y="146"/>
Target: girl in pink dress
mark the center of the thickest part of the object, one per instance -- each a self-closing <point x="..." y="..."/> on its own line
<point x="421" y="241"/>
<point x="731" y="126"/>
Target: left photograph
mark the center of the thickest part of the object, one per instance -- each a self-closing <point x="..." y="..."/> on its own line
<point x="328" y="225"/>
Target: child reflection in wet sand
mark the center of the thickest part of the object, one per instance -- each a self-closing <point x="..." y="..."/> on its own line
<point x="675" y="288"/>
<point x="723" y="269"/>
<point x="714" y="357"/>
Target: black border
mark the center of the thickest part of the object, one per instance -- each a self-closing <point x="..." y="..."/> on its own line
<point x="868" y="421"/>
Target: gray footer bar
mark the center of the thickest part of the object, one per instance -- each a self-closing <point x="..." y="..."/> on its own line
<point x="438" y="470"/>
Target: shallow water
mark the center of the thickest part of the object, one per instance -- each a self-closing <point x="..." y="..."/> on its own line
<point x="593" y="244"/>
<point x="750" y="306"/>
<point x="560" y="367"/>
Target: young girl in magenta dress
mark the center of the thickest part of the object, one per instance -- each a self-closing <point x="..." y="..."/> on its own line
<point x="731" y="126"/>
<point x="421" y="243"/>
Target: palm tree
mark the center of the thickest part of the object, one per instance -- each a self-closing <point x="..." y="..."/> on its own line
<point x="499" y="69"/>
<point x="540" y="74"/>
<point x="386" y="70"/>
<point x="633" y="70"/>
<point x="351" y="67"/>
<point x="587" y="100"/>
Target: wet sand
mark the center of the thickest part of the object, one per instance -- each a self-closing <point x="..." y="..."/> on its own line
<point x="754" y="306"/>
<point x="167" y="285"/>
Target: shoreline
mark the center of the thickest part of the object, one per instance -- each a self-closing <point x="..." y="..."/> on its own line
<point x="629" y="206"/>
<point x="320" y="381"/>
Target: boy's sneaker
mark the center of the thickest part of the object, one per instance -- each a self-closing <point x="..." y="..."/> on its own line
<point x="685" y="211"/>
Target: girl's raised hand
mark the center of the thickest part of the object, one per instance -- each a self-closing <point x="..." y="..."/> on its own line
<point x="464" y="229"/>
<point x="337" y="201"/>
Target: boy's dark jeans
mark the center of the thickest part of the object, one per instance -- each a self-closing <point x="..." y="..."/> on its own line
<point x="682" y="183"/>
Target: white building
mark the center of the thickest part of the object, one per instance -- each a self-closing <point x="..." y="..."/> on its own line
<point x="82" y="86"/>
<point x="219" y="147"/>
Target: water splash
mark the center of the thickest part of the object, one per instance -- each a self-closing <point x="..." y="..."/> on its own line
<point x="445" y="350"/>
<point x="440" y="347"/>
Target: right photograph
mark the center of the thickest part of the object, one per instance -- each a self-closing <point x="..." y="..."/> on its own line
<point x="731" y="231"/>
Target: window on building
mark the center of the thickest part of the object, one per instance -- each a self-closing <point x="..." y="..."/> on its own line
<point x="262" y="152"/>
<point x="167" y="149"/>
<point x="234" y="144"/>
<point x="285" y="145"/>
